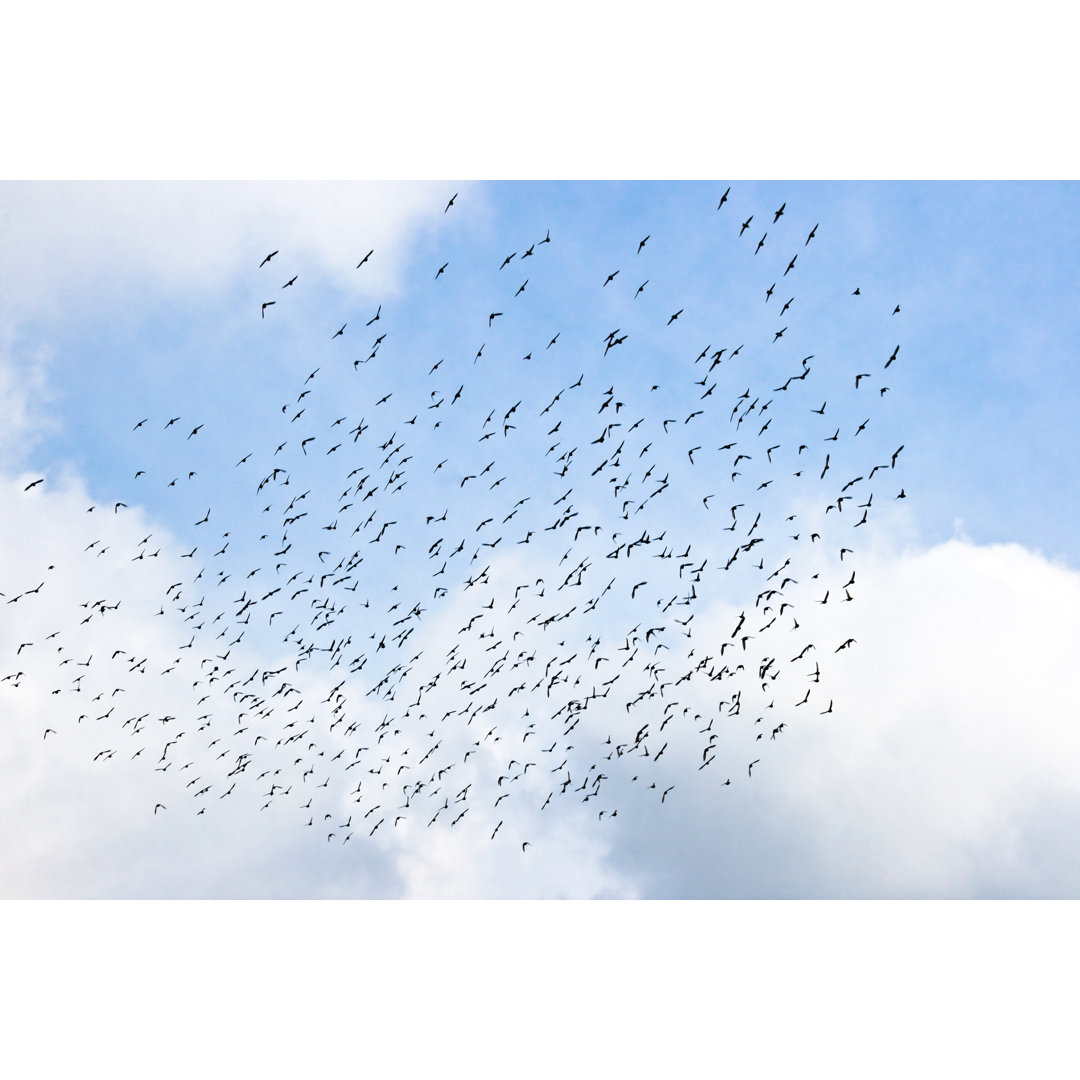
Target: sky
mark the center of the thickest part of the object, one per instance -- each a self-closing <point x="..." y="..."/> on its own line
<point x="945" y="766"/>
<point x="235" y="524"/>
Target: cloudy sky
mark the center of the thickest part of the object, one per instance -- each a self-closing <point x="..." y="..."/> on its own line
<point x="935" y="756"/>
<point x="945" y="767"/>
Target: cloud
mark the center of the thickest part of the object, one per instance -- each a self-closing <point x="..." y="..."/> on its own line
<point x="67" y="243"/>
<point x="77" y="252"/>
<point x="947" y="768"/>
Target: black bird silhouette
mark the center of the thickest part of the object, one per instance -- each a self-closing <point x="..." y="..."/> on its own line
<point x="267" y="259"/>
<point x="540" y="642"/>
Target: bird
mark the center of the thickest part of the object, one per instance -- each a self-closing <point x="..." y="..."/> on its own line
<point x="364" y="599"/>
<point x="267" y="259"/>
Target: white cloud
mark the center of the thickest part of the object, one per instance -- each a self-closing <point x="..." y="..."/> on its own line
<point x="948" y="768"/>
<point x="65" y="243"/>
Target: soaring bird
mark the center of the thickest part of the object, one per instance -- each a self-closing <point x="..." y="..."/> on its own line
<point x="267" y="259"/>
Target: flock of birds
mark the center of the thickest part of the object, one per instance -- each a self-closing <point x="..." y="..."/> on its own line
<point x="479" y="587"/>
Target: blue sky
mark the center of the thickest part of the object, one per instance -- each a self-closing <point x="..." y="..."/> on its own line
<point x="143" y="302"/>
